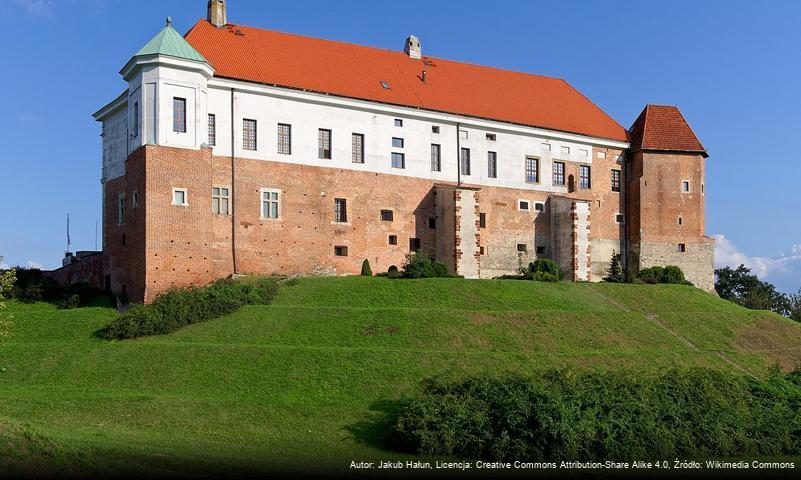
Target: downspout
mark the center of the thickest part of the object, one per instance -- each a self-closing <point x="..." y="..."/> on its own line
<point x="458" y="155"/>
<point x="233" y="190"/>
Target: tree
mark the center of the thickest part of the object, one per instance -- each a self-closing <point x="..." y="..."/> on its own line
<point x="794" y="306"/>
<point x="615" y="271"/>
<point x="7" y="279"/>
<point x="744" y="288"/>
<point x="366" y="270"/>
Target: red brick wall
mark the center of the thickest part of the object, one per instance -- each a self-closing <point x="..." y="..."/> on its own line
<point x="86" y="269"/>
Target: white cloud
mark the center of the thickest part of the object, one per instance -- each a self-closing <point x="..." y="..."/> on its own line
<point x="32" y="264"/>
<point x="4" y="266"/>
<point x="37" y="8"/>
<point x="728" y="255"/>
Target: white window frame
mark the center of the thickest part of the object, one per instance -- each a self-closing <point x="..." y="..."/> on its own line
<point x="536" y="210"/>
<point x="219" y="197"/>
<point x="279" y="201"/>
<point x="618" y="214"/>
<point x="689" y="186"/>
<point x="186" y="197"/>
<point x="528" y="202"/>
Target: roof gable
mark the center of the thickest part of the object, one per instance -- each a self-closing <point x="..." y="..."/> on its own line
<point x="663" y="127"/>
<point x="354" y="71"/>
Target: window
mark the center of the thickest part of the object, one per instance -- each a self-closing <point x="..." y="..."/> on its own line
<point x="682" y="248"/>
<point x="584" y="176"/>
<point x="436" y="163"/>
<point x="135" y="128"/>
<point x="492" y="164"/>
<point x="465" y="161"/>
<point x="434" y="129"/>
<point x="397" y="142"/>
<point x="398" y="122"/>
<point x="681" y="221"/>
<point x="285" y="139"/>
<point x="340" y="210"/>
<point x="393" y="239"/>
<point x="398" y="160"/>
<point x="615" y="180"/>
<point x="324" y="144"/>
<point x="685" y="186"/>
<point x="341" y="251"/>
<point x="532" y="170"/>
<point x="220" y="198"/>
<point x="179" y="197"/>
<point x="135" y="199"/>
<point x="270" y="203"/>
<point x="357" y="148"/>
<point x="122" y="239"/>
<point x="212" y="130"/>
<point x="481" y="250"/>
<point x="523" y="205"/>
<point x="559" y="173"/>
<point x="539" y="207"/>
<point x="249" y="134"/>
<point x="540" y="250"/>
<point x="491" y="137"/>
<point x="619" y="218"/>
<point x="432" y="222"/>
<point x="178" y="114"/>
<point x="522" y="247"/>
<point x="482" y="220"/>
<point x="121" y="210"/>
<point x="414" y="244"/>
<point x="702" y="189"/>
<point x="386" y="215"/>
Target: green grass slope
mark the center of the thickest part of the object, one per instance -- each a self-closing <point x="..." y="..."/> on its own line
<point x="312" y="375"/>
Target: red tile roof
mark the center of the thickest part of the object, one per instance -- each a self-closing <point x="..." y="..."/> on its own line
<point x="663" y="127"/>
<point x="355" y="71"/>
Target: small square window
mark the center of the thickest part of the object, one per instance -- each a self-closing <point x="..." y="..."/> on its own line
<point x="619" y="218"/>
<point x="397" y="142"/>
<point x="179" y="197"/>
<point x="414" y="244"/>
<point x="491" y="137"/>
<point x="523" y="205"/>
<point x="481" y="250"/>
<point x="434" y="129"/>
<point x="685" y="186"/>
<point x="482" y="220"/>
<point x="539" y="206"/>
<point x="540" y="250"/>
<point x="393" y="239"/>
<point x="522" y="247"/>
<point x="341" y="251"/>
<point x="398" y="122"/>
<point x="682" y="248"/>
<point x="386" y="215"/>
<point x="432" y="222"/>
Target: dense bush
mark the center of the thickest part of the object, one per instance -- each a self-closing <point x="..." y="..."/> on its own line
<point x="366" y="270"/>
<point x="32" y="286"/>
<point x="565" y="415"/>
<point x="393" y="272"/>
<point x="541" y="270"/>
<point x="418" y="265"/>
<point x="178" y="308"/>
<point x="670" y="274"/>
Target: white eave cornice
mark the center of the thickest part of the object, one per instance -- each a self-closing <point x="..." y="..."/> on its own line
<point x="112" y="106"/>
<point x="165" y="60"/>
<point x="422" y="114"/>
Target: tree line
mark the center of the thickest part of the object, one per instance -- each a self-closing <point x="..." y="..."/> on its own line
<point x="744" y="288"/>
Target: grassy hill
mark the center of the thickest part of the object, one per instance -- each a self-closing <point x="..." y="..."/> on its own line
<point x="312" y="375"/>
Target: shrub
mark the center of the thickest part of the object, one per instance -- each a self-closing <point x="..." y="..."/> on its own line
<point x="177" y="308"/>
<point x="393" y="272"/>
<point x="73" y="301"/>
<point x="670" y="274"/>
<point x="615" y="273"/>
<point x="600" y="415"/>
<point x="366" y="271"/>
<point x="544" y="265"/>
<point x="544" y="277"/>
<point x="439" y="269"/>
<point x="417" y="265"/>
<point x="651" y="274"/>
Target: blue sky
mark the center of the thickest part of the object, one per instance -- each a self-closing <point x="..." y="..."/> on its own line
<point x="731" y="67"/>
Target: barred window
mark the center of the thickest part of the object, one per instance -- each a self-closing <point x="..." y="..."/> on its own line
<point x="324" y="143"/>
<point x="212" y="130"/>
<point x="270" y="203"/>
<point x="220" y="198"/>
<point x="341" y="251"/>
<point x="492" y="164"/>
<point x="340" y="210"/>
<point x="357" y="148"/>
<point x="615" y="180"/>
<point x="398" y="160"/>
<point x="249" y="134"/>
<point x="178" y="114"/>
<point x="285" y="139"/>
<point x="585" y="180"/>
<point x="436" y="161"/>
<point x="465" y="161"/>
<point x="532" y="170"/>
<point x="414" y="244"/>
<point x="559" y="173"/>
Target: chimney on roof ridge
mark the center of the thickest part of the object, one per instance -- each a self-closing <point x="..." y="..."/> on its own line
<point x="412" y="47"/>
<point x="216" y="13"/>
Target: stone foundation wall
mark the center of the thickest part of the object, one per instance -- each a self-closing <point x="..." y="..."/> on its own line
<point x="697" y="261"/>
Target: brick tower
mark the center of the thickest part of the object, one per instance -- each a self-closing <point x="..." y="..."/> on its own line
<point x="665" y="205"/>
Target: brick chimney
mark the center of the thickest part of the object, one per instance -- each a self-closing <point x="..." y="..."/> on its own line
<point x="412" y="47"/>
<point x="216" y="13"/>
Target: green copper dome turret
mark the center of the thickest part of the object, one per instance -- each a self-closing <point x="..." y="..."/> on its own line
<point x="170" y="43"/>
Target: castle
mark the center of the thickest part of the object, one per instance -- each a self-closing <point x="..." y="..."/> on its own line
<point x="238" y="150"/>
